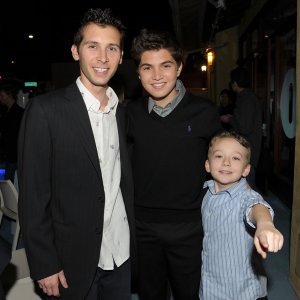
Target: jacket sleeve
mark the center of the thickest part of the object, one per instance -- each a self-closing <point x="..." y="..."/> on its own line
<point x="34" y="177"/>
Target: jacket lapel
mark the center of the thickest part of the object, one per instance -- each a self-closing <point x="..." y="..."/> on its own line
<point x="82" y="124"/>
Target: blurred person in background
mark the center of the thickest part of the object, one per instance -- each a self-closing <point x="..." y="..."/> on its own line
<point x="226" y="106"/>
<point x="9" y="125"/>
<point x="247" y="116"/>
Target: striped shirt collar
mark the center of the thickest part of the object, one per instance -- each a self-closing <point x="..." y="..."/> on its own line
<point x="232" y="191"/>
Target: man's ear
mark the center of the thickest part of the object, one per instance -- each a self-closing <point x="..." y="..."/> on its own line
<point x="121" y="59"/>
<point x="75" y="52"/>
<point x="138" y="74"/>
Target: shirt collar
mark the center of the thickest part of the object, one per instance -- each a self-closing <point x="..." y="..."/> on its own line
<point x="232" y="191"/>
<point x="181" y="91"/>
<point x="93" y="104"/>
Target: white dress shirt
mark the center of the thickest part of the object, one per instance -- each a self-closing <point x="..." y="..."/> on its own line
<point x="115" y="240"/>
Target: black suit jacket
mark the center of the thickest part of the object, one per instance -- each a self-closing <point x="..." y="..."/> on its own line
<point x="61" y="194"/>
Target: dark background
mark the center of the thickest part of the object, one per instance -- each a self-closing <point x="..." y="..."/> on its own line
<point x="53" y="24"/>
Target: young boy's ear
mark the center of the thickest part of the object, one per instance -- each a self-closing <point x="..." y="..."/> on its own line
<point x="246" y="170"/>
<point x="207" y="166"/>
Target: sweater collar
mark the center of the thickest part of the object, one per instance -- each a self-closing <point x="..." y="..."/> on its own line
<point x="163" y="111"/>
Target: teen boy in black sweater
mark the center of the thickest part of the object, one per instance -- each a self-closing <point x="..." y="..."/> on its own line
<point x="169" y="132"/>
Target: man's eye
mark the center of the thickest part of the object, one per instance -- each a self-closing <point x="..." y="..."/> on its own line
<point x="113" y="49"/>
<point x="146" y="68"/>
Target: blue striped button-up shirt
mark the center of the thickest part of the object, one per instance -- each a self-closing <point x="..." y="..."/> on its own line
<point x="228" y="271"/>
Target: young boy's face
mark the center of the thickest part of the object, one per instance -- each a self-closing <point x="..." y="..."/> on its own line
<point x="227" y="162"/>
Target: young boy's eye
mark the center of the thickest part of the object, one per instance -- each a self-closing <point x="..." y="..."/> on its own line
<point x="236" y="158"/>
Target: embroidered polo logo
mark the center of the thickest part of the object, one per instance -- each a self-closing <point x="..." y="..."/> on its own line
<point x="189" y="128"/>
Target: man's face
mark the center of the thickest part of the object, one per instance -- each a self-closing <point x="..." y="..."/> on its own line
<point x="99" y="54"/>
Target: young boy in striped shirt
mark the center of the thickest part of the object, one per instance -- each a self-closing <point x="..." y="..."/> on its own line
<point x="231" y="211"/>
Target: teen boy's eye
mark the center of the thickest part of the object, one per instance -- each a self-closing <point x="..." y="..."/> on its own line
<point x="167" y="66"/>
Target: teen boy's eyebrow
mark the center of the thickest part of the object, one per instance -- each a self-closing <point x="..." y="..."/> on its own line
<point x="161" y="64"/>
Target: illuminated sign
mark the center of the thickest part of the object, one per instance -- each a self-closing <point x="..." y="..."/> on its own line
<point x="30" y="83"/>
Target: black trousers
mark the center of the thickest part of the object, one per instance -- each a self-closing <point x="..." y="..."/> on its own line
<point x="112" y="284"/>
<point x="169" y="255"/>
<point x="109" y="285"/>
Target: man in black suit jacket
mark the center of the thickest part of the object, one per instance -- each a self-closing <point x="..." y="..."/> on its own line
<point x="76" y="190"/>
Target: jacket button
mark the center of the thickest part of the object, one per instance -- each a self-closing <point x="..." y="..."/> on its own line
<point x="97" y="230"/>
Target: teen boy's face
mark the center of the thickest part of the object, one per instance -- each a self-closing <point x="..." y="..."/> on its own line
<point x="158" y="72"/>
<point x="227" y="162"/>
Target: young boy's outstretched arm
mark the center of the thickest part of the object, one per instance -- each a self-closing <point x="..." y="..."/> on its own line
<point x="267" y="238"/>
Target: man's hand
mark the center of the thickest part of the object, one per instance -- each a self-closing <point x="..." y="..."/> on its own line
<point x="50" y="285"/>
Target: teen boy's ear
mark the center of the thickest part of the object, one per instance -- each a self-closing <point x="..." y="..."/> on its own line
<point x="179" y="69"/>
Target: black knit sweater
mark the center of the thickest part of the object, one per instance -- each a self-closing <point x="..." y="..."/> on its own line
<point x="168" y="155"/>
